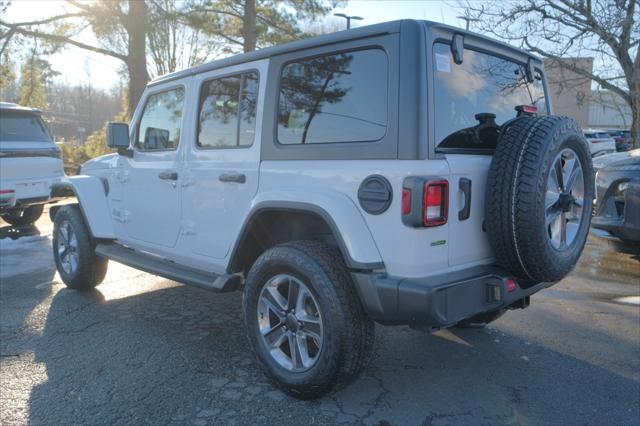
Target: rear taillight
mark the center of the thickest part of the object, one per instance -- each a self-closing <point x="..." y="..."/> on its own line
<point x="406" y="201"/>
<point x="6" y="191"/>
<point x="436" y="203"/>
<point x="425" y="201"/>
<point x="526" y="110"/>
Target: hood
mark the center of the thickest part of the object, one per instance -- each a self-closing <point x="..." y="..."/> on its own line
<point x="106" y="161"/>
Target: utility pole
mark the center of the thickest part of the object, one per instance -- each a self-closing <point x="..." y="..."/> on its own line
<point x="348" y="18"/>
<point x="467" y="19"/>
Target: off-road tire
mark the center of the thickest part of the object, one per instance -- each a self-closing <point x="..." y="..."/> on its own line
<point x="515" y="213"/>
<point x="91" y="269"/>
<point x="348" y="331"/>
<point x="24" y="217"/>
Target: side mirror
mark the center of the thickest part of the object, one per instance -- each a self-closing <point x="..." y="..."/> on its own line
<point x="118" y="135"/>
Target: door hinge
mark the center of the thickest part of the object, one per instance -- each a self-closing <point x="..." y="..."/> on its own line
<point x="188" y="228"/>
<point x="122" y="216"/>
<point x="122" y="176"/>
<point x="188" y="180"/>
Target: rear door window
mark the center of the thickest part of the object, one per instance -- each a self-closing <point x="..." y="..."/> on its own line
<point x="227" y="117"/>
<point x="22" y="127"/>
<point x="335" y="98"/>
<point x="473" y="99"/>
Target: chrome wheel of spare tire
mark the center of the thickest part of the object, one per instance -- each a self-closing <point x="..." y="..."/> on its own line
<point x="290" y="323"/>
<point x="564" y="199"/>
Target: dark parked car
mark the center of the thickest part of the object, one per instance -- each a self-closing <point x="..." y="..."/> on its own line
<point x="622" y="138"/>
<point x="617" y="210"/>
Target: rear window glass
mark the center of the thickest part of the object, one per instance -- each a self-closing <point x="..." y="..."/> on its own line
<point x="597" y="135"/>
<point x="475" y="98"/>
<point x="334" y="98"/>
<point x="228" y="111"/>
<point x="21" y="127"/>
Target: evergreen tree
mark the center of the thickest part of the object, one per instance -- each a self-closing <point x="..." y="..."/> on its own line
<point x="32" y="89"/>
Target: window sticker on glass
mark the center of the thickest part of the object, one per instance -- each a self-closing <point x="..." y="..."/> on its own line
<point x="442" y="62"/>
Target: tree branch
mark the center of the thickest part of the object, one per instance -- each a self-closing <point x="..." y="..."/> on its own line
<point x="563" y="63"/>
<point x="62" y="39"/>
<point x="47" y="20"/>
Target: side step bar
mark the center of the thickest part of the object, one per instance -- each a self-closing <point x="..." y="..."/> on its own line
<point x="168" y="269"/>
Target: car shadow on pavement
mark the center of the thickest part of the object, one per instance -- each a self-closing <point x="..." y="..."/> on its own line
<point x="26" y="265"/>
<point x="179" y="355"/>
<point x="15" y="232"/>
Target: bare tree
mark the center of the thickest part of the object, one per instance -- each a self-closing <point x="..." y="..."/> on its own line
<point x="607" y="30"/>
<point x="172" y="44"/>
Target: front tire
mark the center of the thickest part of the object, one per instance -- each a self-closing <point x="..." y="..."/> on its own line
<point x="304" y="320"/>
<point x="24" y="217"/>
<point x="74" y="251"/>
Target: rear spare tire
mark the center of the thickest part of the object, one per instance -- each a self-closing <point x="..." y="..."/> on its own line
<point x="539" y="197"/>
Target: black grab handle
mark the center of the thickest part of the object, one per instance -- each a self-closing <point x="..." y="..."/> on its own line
<point x="232" y="177"/>
<point x="465" y="187"/>
<point x="168" y="175"/>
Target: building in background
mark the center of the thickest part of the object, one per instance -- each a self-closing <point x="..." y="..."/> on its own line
<point x="607" y="110"/>
<point x="570" y="92"/>
<point x="571" y="95"/>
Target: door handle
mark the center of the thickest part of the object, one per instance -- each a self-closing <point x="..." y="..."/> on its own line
<point x="232" y="177"/>
<point x="465" y="187"/>
<point x="168" y="175"/>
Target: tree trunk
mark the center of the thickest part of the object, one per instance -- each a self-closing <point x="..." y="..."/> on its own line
<point x="249" y="31"/>
<point x="635" y="123"/>
<point x="136" y="25"/>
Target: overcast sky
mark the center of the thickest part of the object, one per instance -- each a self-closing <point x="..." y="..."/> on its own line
<point x="75" y="65"/>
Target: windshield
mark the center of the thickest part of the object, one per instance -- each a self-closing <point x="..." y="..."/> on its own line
<point x="474" y="98"/>
<point x="22" y="127"/>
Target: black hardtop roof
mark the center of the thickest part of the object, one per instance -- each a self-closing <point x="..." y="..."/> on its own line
<point x="322" y="40"/>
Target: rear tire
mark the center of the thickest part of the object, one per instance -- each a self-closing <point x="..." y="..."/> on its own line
<point x="539" y="197"/>
<point x="332" y="312"/>
<point x="74" y="251"/>
<point x="24" y="217"/>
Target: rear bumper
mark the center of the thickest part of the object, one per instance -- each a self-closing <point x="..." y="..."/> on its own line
<point x="440" y="301"/>
<point x="19" y="194"/>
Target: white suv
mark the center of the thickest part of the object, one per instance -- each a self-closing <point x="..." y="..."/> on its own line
<point x="600" y="142"/>
<point x="402" y="173"/>
<point x="30" y="162"/>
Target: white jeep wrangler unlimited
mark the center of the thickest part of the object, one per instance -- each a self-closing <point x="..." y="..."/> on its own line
<point x="400" y="173"/>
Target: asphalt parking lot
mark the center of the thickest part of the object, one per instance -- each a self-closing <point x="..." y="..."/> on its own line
<point x="145" y="350"/>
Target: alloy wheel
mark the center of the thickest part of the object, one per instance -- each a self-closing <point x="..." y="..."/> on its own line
<point x="68" y="248"/>
<point x="564" y="199"/>
<point x="290" y="323"/>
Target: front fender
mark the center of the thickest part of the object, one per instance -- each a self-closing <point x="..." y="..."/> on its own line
<point x="340" y="213"/>
<point x="91" y="193"/>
